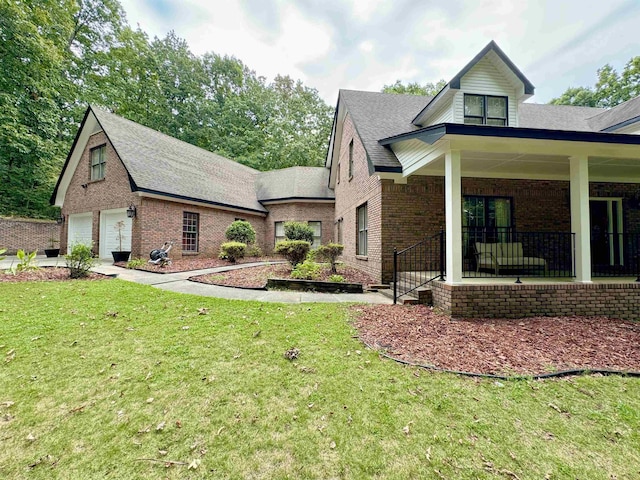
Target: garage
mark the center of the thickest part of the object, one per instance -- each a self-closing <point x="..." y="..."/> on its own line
<point x="109" y="232"/>
<point x="80" y="229"/>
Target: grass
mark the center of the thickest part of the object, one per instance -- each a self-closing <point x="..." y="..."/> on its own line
<point x="94" y="369"/>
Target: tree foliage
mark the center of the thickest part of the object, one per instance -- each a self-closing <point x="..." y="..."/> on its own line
<point x="59" y="56"/>
<point x="414" y="88"/>
<point x="611" y="88"/>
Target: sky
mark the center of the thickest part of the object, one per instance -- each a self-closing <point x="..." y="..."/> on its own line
<point x="366" y="44"/>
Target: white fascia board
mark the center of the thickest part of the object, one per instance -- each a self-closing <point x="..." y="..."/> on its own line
<point x="89" y="128"/>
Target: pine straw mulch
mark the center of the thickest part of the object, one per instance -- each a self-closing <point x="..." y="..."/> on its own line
<point x="256" y="277"/>
<point x="196" y="263"/>
<point x="529" y="346"/>
<point x="46" y="274"/>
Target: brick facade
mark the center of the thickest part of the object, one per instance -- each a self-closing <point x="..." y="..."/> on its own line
<point x="350" y="194"/>
<point x="28" y="235"/>
<point x="301" y="212"/>
<point x="617" y="300"/>
<point x="113" y="191"/>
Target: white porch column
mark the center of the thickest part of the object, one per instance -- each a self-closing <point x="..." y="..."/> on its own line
<point x="579" y="174"/>
<point x="453" y="216"/>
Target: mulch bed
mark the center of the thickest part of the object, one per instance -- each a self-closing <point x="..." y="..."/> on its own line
<point x="256" y="277"/>
<point x="46" y="274"/>
<point x="196" y="263"/>
<point x="530" y="346"/>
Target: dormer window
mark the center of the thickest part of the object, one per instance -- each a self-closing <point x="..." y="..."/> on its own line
<point x="485" y="110"/>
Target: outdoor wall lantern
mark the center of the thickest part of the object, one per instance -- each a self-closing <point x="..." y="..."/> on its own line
<point x="60" y="219"/>
<point x="131" y="211"/>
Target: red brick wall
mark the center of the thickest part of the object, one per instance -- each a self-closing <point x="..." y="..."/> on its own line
<point x="518" y="301"/>
<point x="111" y="192"/>
<point x="27" y="235"/>
<point x="350" y="194"/>
<point x="301" y="212"/>
<point x="161" y="220"/>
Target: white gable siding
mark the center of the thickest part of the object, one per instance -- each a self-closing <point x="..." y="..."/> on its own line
<point x="633" y="129"/>
<point x="411" y="153"/>
<point x="444" y="115"/>
<point x="485" y="79"/>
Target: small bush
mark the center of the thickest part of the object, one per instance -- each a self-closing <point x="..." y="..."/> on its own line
<point x="298" y="231"/>
<point x="330" y="252"/>
<point x="80" y="260"/>
<point x="241" y="231"/>
<point x="232" y="251"/>
<point x="27" y="261"/>
<point x="308" y="270"/>
<point x="136" y="262"/>
<point x="295" y="251"/>
<point x="336" y="278"/>
<point x="254" y="251"/>
<point x="2" y="250"/>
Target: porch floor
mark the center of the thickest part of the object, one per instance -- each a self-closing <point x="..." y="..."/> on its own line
<point x="490" y="279"/>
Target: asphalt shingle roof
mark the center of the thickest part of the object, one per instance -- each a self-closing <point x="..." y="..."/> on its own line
<point x="381" y="115"/>
<point x="294" y="182"/>
<point x="163" y="164"/>
<point x="616" y="115"/>
<point x="556" y="117"/>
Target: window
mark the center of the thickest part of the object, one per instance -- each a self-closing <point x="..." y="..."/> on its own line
<point x="339" y="233"/>
<point x="351" y="158"/>
<point x="485" y="110"/>
<point x="338" y="174"/>
<point x="317" y="233"/>
<point x="280" y="232"/>
<point x="361" y="243"/>
<point x="486" y="219"/>
<point x="98" y="160"/>
<point x="190" y="223"/>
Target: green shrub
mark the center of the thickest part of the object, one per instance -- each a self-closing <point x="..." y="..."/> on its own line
<point x="295" y="251"/>
<point x="27" y="261"/>
<point x="336" y="278"/>
<point x="80" y="260"/>
<point x="298" y="231"/>
<point x="330" y="252"/>
<point x="232" y="251"/>
<point x="254" y="251"/>
<point x="136" y="262"/>
<point x="308" y="270"/>
<point x="241" y="231"/>
<point x="2" y="250"/>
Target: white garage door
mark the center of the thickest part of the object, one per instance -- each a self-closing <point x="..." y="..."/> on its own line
<point x="109" y="233"/>
<point x="80" y="227"/>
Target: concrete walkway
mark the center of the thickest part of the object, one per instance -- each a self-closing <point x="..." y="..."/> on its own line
<point x="178" y="282"/>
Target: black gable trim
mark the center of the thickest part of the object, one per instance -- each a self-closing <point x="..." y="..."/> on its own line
<point x="528" y="86"/>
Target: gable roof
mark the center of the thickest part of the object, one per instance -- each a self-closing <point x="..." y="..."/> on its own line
<point x="380" y="115"/>
<point x="162" y="165"/>
<point x="309" y="183"/>
<point x="556" y="117"/>
<point x="617" y="117"/>
<point x="454" y="84"/>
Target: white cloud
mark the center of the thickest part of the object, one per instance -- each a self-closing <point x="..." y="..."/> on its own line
<point x="365" y="44"/>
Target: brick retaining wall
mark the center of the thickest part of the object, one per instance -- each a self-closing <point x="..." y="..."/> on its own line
<point x="28" y="235"/>
<point x="618" y="300"/>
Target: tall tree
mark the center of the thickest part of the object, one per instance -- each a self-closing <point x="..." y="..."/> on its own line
<point x="611" y="88"/>
<point x="414" y="88"/>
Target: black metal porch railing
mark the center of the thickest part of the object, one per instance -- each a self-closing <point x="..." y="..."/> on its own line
<point x="418" y="265"/>
<point x="615" y="255"/>
<point x="506" y="252"/>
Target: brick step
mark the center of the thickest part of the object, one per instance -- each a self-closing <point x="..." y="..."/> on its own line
<point x="422" y="295"/>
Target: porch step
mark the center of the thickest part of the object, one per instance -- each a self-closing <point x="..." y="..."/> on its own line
<point x="376" y="287"/>
<point x="422" y="295"/>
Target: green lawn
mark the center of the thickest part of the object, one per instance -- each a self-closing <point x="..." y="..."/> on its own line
<point x="96" y="378"/>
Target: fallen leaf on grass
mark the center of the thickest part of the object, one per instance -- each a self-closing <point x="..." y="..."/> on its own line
<point x="150" y="400"/>
<point x="186" y="327"/>
<point x="8" y="403"/>
<point x="194" y="464"/>
<point x="203" y="311"/>
<point x="31" y="437"/>
<point x="160" y="426"/>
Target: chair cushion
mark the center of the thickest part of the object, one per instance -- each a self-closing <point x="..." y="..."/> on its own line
<point x="511" y="250"/>
<point x="485" y="250"/>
